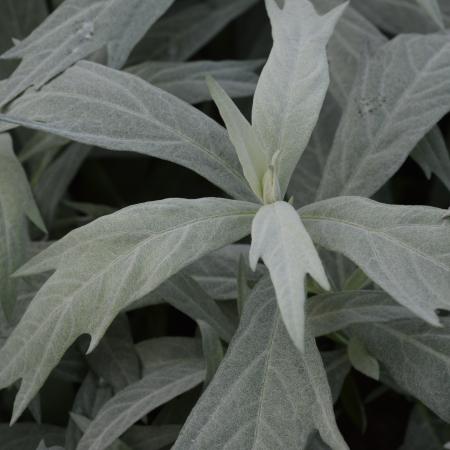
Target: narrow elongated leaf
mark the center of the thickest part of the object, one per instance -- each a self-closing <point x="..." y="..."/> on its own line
<point x="403" y="249"/>
<point x="337" y="366"/>
<point x="401" y="16"/>
<point x="425" y="431"/>
<point x="115" y="359"/>
<point x="157" y="352"/>
<point x="381" y="125"/>
<point x="217" y="271"/>
<point x="138" y="399"/>
<point x="265" y="395"/>
<point x="294" y="81"/>
<point x="417" y="352"/>
<point x="433" y="156"/>
<point x="151" y="437"/>
<point x="362" y="360"/>
<point x="91" y="396"/>
<point x="27" y="436"/>
<point x="212" y="350"/>
<point x="251" y="153"/>
<point x="185" y="294"/>
<point x="18" y="19"/>
<point x="16" y="204"/>
<point x="56" y="179"/>
<point x="280" y="239"/>
<point x="179" y="35"/>
<point x="307" y="175"/>
<point x="75" y="30"/>
<point x="187" y="80"/>
<point x="105" y="266"/>
<point x="351" y="37"/>
<point x="120" y="111"/>
<point x="433" y="9"/>
<point x="327" y="313"/>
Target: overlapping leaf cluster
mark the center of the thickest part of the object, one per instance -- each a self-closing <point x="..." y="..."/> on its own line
<point x="342" y="95"/>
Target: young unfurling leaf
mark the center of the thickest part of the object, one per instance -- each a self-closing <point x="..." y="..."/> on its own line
<point x="280" y="239"/>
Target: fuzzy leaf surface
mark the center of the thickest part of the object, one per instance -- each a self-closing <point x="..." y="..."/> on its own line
<point x="181" y="33"/>
<point x="96" y="105"/>
<point x="381" y="124"/>
<point x="16" y="204"/>
<point x="280" y="239"/>
<point x="187" y="80"/>
<point x="417" y="352"/>
<point x="137" y="400"/>
<point x="76" y="30"/>
<point x="387" y="242"/>
<point x="263" y="388"/>
<point x="105" y="266"/>
<point x="294" y="81"/>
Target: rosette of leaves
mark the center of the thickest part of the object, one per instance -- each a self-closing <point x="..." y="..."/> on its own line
<point x="380" y="289"/>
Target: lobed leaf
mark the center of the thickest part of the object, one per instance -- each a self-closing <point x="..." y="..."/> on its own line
<point x="388" y="243"/>
<point x="280" y="239"/>
<point x="417" y="352"/>
<point x="76" y="30"/>
<point x="294" y="81"/>
<point x="105" y="266"/>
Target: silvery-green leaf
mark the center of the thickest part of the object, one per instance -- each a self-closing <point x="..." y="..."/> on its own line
<point x="280" y="239"/>
<point x="417" y="352"/>
<point x="433" y="156"/>
<point x="40" y="143"/>
<point x="157" y="352"/>
<point x="16" y="204"/>
<point x="27" y="436"/>
<point x="216" y="272"/>
<point x="351" y="37"/>
<point x="83" y="424"/>
<point x="307" y="175"/>
<point x="138" y="399"/>
<point x="362" y="360"/>
<point x="179" y="35"/>
<point x="105" y="266"/>
<point x="425" y="431"/>
<point x="42" y="446"/>
<point x="294" y="81"/>
<point x="250" y="149"/>
<point x="151" y="437"/>
<point x="56" y="179"/>
<point x="381" y="126"/>
<point x="99" y="106"/>
<point x="115" y="359"/>
<point x="328" y="313"/>
<point x="398" y="16"/>
<point x="337" y="366"/>
<point x="212" y="350"/>
<point x="403" y="249"/>
<point x="266" y="394"/>
<point x="91" y="396"/>
<point x="185" y="294"/>
<point x="433" y="9"/>
<point x="18" y="19"/>
<point x="76" y="30"/>
<point x="187" y="80"/>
